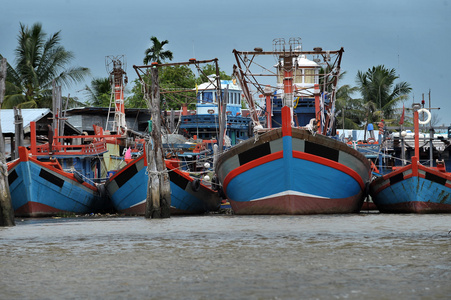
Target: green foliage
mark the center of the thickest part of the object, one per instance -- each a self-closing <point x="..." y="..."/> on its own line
<point x="173" y="80"/>
<point x="99" y="93"/>
<point x="39" y="61"/>
<point x="350" y="109"/>
<point x="380" y="93"/>
<point x="210" y="69"/>
<point x="177" y="78"/>
<point x="136" y="100"/>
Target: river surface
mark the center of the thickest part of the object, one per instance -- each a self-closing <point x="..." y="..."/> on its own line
<point x="359" y="256"/>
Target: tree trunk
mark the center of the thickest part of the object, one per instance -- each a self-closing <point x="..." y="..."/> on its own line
<point x="2" y="95"/>
<point x="154" y="187"/>
<point x="158" y="200"/>
<point x="6" y="209"/>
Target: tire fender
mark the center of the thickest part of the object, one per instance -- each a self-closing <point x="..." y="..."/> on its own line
<point x="195" y="185"/>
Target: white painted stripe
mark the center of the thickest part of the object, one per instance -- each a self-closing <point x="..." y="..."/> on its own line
<point x="290" y="193"/>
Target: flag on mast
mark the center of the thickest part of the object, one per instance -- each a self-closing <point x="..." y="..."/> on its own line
<point x="401" y="121"/>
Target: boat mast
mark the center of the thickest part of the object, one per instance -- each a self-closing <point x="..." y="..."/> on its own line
<point x="287" y="64"/>
<point x="118" y="80"/>
<point x="241" y="75"/>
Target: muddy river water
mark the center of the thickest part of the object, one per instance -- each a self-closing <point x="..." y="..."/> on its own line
<point x="358" y="256"/>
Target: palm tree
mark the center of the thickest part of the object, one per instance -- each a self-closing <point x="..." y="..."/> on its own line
<point x="351" y="112"/>
<point x="379" y="92"/>
<point x="155" y="53"/>
<point x="39" y="61"/>
<point x="99" y="93"/>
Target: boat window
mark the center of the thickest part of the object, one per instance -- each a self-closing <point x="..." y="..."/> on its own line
<point x="311" y="78"/>
<point x="207" y="96"/>
<point x="297" y="76"/>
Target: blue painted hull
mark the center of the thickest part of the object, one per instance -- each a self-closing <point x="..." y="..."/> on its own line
<point x="128" y="191"/>
<point x="38" y="191"/>
<point x="413" y="189"/>
<point x="298" y="174"/>
<point x="278" y="179"/>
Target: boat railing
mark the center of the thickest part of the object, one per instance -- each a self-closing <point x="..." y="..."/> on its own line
<point x="212" y="119"/>
<point x="97" y="145"/>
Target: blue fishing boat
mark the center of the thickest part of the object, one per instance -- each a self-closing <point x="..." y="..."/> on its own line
<point x="295" y="165"/>
<point x="54" y="179"/>
<point x="127" y="189"/>
<point x="414" y="188"/>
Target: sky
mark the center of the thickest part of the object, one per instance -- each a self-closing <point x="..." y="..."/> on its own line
<point x="411" y="36"/>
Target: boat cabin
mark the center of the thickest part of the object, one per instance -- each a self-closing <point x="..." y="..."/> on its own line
<point x="203" y="123"/>
<point x="305" y="76"/>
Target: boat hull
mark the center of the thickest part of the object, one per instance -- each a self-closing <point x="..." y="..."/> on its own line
<point x="413" y="189"/>
<point x="128" y="191"/>
<point x="293" y="173"/>
<point x="39" y="190"/>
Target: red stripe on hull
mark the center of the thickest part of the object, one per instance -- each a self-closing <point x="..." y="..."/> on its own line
<point x="331" y="164"/>
<point x="35" y="209"/>
<point x="416" y="207"/>
<point x="298" y="205"/>
<point x="250" y="165"/>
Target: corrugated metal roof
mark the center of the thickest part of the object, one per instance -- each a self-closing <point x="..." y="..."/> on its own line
<point x="28" y="115"/>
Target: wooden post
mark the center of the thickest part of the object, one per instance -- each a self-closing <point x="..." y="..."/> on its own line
<point x="403" y="150"/>
<point x="416" y="127"/>
<point x="6" y="209"/>
<point x="165" y="185"/>
<point x="158" y="199"/>
<point x="222" y="125"/>
<point x="56" y="101"/>
<point x="215" y="155"/>
<point x="222" y="107"/>
<point x="54" y="106"/>
<point x="153" y="186"/>
<point x="172" y="121"/>
<point x="2" y="95"/>
<point x="18" y="135"/>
